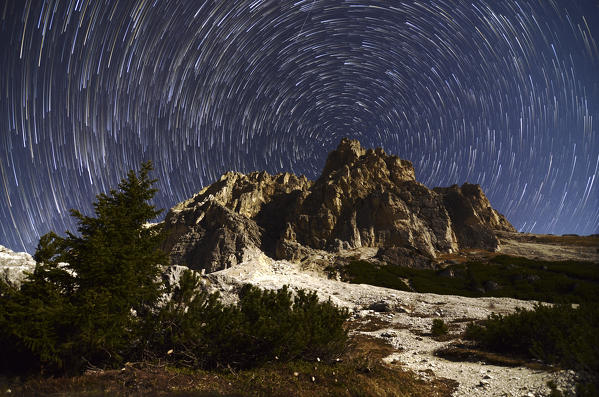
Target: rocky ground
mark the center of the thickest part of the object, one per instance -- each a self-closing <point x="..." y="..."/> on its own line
<point x="404" y="320"/>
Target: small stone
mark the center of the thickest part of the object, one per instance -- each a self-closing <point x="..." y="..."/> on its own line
<point x="296" y="374"/>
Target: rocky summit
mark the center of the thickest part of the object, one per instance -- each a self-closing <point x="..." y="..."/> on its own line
<point x="364" y="198"/>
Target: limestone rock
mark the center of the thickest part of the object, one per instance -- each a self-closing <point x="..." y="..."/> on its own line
<point x="212" y="229"/>
<point x="364" y="198"/>
<point x="367" y="198"/>
<point x="209" y="236"/>
<point x="13" y="265"/>
<point x="474" y="220"/>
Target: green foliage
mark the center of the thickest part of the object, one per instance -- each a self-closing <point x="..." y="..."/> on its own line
<point x="439" y="327"/>
<point x="275" y="325"/>
<point x="264" y="326"/>
<point x="516" y="278"/>
<point x="87" y="298"/>
<point x="554" y="334"/>
<point x="362" y="272"/>
<point x="95" y="299"/>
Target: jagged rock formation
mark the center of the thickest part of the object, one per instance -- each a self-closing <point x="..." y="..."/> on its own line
<point x="212" y="229"/>
<point x="474" y="220"/>
<point x="364" y="198"/>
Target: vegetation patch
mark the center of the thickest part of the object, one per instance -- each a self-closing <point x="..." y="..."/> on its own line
<point x="439" y="328"/>
<point x="560" y="335"/>
<point x="500" y="276"/>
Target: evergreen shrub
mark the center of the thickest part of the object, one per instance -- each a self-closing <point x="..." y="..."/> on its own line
<point x="439" y="327"/>
<point x="264" y="326"/>
<point x="560" y="334"/>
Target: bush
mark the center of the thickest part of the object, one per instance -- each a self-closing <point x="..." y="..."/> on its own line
<point x="264" y="326"/>
<point x="554" y="334"/>
<point x="520" y="278"/>
<point x="439" y="327"/>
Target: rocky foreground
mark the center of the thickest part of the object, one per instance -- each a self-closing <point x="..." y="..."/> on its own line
<point x="402" y="319"/>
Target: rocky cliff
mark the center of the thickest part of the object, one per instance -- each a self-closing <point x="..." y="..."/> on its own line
<point x="364" y="198"/>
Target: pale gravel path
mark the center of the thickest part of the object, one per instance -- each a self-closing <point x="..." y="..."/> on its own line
<point x="413" y="314"/>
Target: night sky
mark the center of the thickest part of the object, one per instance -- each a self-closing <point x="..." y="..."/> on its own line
<point x="502" y="93"/>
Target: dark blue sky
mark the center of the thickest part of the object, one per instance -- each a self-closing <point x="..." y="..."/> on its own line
<point x="497" y="92"/>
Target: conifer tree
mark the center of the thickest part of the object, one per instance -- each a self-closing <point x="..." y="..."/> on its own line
<point x="90" y="296"/>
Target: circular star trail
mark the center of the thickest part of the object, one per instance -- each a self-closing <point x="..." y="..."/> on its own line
<point x="503" y="93"/>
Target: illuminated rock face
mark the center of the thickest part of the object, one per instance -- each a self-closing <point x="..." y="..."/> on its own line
<point x="364" y="198"/>
<point x="13" y="265"/>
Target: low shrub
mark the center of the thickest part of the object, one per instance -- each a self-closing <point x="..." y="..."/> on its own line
<point x="264" y="326"/>
<point x="558" y="334"/>
<point x="502" y="276"/>
<point x="439" y="327"/>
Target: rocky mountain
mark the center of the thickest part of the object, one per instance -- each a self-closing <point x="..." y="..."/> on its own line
<point x="364" y="198"/>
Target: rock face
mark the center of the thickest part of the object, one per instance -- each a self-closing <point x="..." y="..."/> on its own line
<point x="213" y="229"/>
<point x="13" y="266"/>
<point x="475" y="221"/>
<point x="364" y="198"/>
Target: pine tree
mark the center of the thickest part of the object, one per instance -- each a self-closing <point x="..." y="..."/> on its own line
<point x="92" y="293"/>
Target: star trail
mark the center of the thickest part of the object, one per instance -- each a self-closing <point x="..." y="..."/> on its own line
<point x="502" y="93"/>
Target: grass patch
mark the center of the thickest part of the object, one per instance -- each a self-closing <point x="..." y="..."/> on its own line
<point x="359" y="372"/>
<point x="501" y="276"/>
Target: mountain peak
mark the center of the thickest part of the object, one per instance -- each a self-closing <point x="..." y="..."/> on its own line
<point x="374" y="164"/>
<point x="364" y="198"/>
<point x="347" y="153"/>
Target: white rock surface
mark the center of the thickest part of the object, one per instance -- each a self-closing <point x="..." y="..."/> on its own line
<point x="13" y="265"/>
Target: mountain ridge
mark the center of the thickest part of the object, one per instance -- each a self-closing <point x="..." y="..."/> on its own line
<point x="363" y="198"/>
